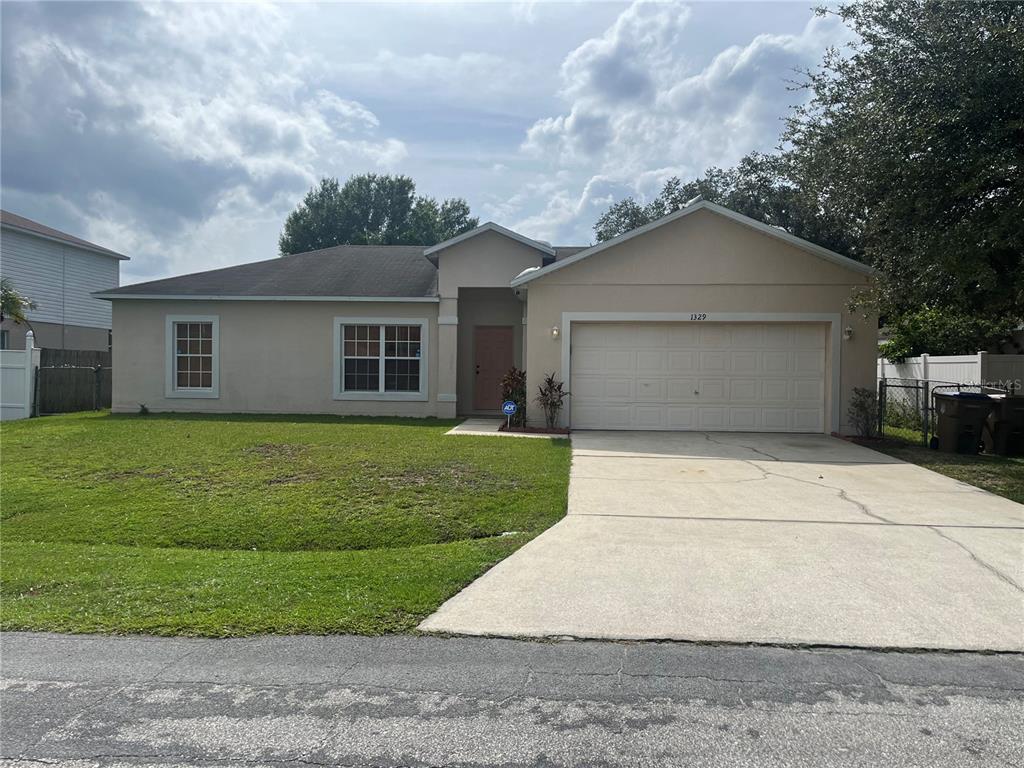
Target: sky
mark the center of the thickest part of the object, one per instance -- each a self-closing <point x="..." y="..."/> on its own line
<point x="182" y="134"/>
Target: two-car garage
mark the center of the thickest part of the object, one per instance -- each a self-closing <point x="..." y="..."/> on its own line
<point x="730" y="376"/>
<point x="703" y="320"/>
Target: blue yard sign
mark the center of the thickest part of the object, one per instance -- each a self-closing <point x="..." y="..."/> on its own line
<point x="509" y="408"/>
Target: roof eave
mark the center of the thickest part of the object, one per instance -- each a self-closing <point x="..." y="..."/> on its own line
<point x="780" y="234"/>
<point x="489" y="226"/>
<point x="110" y="296"/>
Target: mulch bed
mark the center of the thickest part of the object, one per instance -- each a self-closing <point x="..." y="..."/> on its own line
<point x="534" y="430"/>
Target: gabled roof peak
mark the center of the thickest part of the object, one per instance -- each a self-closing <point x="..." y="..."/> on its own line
<point x="490" y="226"/>
<point x="692" y="206"/>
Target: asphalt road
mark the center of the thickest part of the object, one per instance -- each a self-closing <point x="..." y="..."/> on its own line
<point x="430" y="701"/>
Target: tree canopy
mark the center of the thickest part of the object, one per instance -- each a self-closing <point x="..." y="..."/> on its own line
<point x="908" y="154"/>
<point x="372" y="209"/>
<point x="914" y="137"/>
<point x="13" y="304"/>
<point x="757" y="187"/>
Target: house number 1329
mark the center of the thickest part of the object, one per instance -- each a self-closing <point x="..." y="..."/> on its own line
<point x="699" y="316"/>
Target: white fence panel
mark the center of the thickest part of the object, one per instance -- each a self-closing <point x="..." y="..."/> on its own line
<point x="982" y="368"/>
<point x="17" y="380"/>
<point x="1005" y="370"/>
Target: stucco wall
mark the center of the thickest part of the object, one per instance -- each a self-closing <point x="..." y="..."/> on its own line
<point x="489" y="260"/>
<point x="473" y="282"/>
<point x="704" y="263"/>
<point x="275" y="357"/>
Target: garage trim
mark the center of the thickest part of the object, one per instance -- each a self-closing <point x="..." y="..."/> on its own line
<point x="832" y="318"/>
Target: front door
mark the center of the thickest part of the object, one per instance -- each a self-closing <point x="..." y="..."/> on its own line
<point x="492" y="357"/>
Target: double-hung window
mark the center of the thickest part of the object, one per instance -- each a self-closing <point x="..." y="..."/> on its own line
<point x="380" y="359"/>
<point x="193" y="368"/>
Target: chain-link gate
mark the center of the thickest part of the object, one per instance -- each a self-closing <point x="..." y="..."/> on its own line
<point x="908" y="405"/>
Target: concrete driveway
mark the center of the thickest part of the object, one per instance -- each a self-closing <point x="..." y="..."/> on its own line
<point x="759" y="538"/>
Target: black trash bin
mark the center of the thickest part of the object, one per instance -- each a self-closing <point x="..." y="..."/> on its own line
<point x="1008" y="426"/>
<point x="962" y="417"/>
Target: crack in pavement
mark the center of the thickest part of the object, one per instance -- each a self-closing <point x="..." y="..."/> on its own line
<point x="719" y="519"/>
<point x="842" y="493"/>
<point x="987" y="566"/>
<point x="93" y="704"/>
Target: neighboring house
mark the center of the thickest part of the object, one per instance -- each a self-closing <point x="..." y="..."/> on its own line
<point x="704" y="319"/>
<point x="59" y="272"/>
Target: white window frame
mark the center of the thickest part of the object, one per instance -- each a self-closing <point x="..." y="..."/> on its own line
<point x="170" y="379"/>
<point x="339" y="382"/>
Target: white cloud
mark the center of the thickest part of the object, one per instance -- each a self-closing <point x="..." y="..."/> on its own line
<point x="182" y="134"/>
<point x="200" y="107"/>
<point x="637" y="111"/>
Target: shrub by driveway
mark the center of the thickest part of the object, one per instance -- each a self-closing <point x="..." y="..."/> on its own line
<point x="232" y="525"/>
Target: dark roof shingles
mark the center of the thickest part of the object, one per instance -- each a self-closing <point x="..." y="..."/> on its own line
<point x="344" y="270"/>
<point x="565" y="251"/>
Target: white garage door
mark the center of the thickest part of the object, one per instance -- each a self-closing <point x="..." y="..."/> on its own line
<point x="754" y="377"/>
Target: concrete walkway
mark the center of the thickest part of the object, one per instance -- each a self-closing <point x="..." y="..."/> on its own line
<point x="481" y="427"/>
<point x="759" y="538"/>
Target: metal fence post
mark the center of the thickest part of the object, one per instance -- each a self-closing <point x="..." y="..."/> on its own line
<point x="881" y="407"/>
<point x="96" y="381"/>
<point x="926" y="412"/>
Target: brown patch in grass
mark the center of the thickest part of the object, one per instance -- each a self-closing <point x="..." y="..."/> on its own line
<point x="131" y="474"/>
<point x="453" y="475"/>
<point x="297" y="478"/>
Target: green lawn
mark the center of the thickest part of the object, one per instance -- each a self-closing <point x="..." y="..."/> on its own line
<point x="234" y="525"/>
<point x="998" y="474"/>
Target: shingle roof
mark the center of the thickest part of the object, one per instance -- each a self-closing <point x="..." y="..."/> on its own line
<point x="15" y="221"/>
<point x="565" y="251"/>
<point x="342" y="271"/>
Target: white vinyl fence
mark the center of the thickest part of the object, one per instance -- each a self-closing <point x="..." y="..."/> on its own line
<point x="983" y="368"/>
<point x="17" y="380"/>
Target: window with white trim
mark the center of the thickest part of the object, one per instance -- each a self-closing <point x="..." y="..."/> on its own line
<point x="381" y="359"/>
<point x="192" y="356"/>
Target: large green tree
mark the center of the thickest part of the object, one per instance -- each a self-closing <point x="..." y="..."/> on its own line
<point x="372" y="209"/>
<point x="908" y="154"/>
<point x="914" y="137"/>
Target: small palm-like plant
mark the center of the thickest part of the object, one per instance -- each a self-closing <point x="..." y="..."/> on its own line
<point x="513" y="387"/>
<point x="551" y="397"/>
<point x="12" y="304"/>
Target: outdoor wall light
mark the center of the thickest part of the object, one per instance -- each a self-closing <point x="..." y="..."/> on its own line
<point x="848" y="332"/>
<point x="555" y="332"/>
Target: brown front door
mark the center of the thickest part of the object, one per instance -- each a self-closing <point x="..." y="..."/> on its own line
<point x="492" y="357"/>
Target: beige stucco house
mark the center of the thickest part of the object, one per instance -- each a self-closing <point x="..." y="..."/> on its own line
<point x="703" y="320"/>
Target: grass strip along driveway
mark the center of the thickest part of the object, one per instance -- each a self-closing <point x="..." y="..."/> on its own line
<point x="1001" y="475"/>
<point x="236" y="525"/>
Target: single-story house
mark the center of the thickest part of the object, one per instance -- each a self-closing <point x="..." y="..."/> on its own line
<point x="704" y="319"/>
